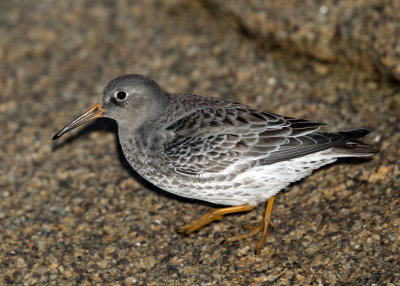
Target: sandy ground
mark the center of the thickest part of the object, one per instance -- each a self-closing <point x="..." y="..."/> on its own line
<point x="74" y="213"/>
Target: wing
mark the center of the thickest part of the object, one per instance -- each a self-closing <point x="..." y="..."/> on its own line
<point x="215" y="140"/>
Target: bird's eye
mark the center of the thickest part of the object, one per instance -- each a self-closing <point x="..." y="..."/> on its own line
<point x="121" y="95"/>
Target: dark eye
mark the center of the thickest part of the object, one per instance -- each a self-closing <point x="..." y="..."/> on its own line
<point x="121" y="95"/>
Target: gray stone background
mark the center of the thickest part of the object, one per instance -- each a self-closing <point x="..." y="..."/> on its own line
<point x="73" y="212"/>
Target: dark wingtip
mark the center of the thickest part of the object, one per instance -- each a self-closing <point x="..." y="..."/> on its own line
<point x="362" y="132"/>
<point x="357" y="147"/>
<point x="354" y="133"/>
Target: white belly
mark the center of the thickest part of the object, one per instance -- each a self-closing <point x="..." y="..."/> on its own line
<point x="257" y="184"/>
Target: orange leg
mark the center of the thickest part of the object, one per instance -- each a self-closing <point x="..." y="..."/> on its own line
<point x="215" y="214"/>
<point x="256" y="229"/>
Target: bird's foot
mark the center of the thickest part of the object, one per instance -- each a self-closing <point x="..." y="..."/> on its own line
<point x="209" y="217"/>
<point x="254" y="230"/>
<point x="197" y="224"/>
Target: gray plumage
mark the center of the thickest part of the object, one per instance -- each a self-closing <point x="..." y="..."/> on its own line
<point x="213" y="149"/>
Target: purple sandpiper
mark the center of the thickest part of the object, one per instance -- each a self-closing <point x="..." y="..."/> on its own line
<point x="216" y="150"/>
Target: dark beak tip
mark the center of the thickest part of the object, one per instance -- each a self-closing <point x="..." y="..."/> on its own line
<point x="55" y="137"/>
<point x="60" y="133"/>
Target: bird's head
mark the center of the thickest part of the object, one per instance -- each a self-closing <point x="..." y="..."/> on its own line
<point x="130" y="99"/>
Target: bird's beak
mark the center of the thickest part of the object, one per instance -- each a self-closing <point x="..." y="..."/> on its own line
<point x="93" y="113"/>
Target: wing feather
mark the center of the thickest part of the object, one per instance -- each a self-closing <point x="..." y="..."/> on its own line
<point x="213" y="140"/>
<point x="215" y="136"/>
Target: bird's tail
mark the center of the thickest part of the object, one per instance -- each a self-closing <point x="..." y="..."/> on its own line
<point x="355" y="148"/>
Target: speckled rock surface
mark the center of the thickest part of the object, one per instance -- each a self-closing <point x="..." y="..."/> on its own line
<point x="73" y="213"/>
<point x="364" y="33"/>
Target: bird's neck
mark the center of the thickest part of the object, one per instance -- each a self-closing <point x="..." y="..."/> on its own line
<point x="147" y="139"/>
<point x="144" y="151"/>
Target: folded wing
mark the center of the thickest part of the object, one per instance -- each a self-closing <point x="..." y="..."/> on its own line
<point x="214" y="140"/>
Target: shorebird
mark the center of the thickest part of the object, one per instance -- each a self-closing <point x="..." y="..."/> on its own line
<point x="216" y="150"/>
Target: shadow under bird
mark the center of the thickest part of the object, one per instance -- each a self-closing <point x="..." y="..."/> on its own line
<point x="216" y="150"/>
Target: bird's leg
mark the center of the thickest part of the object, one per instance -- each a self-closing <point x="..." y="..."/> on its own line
<point x="215" y="214"/>
<point x="266" y="222"/>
